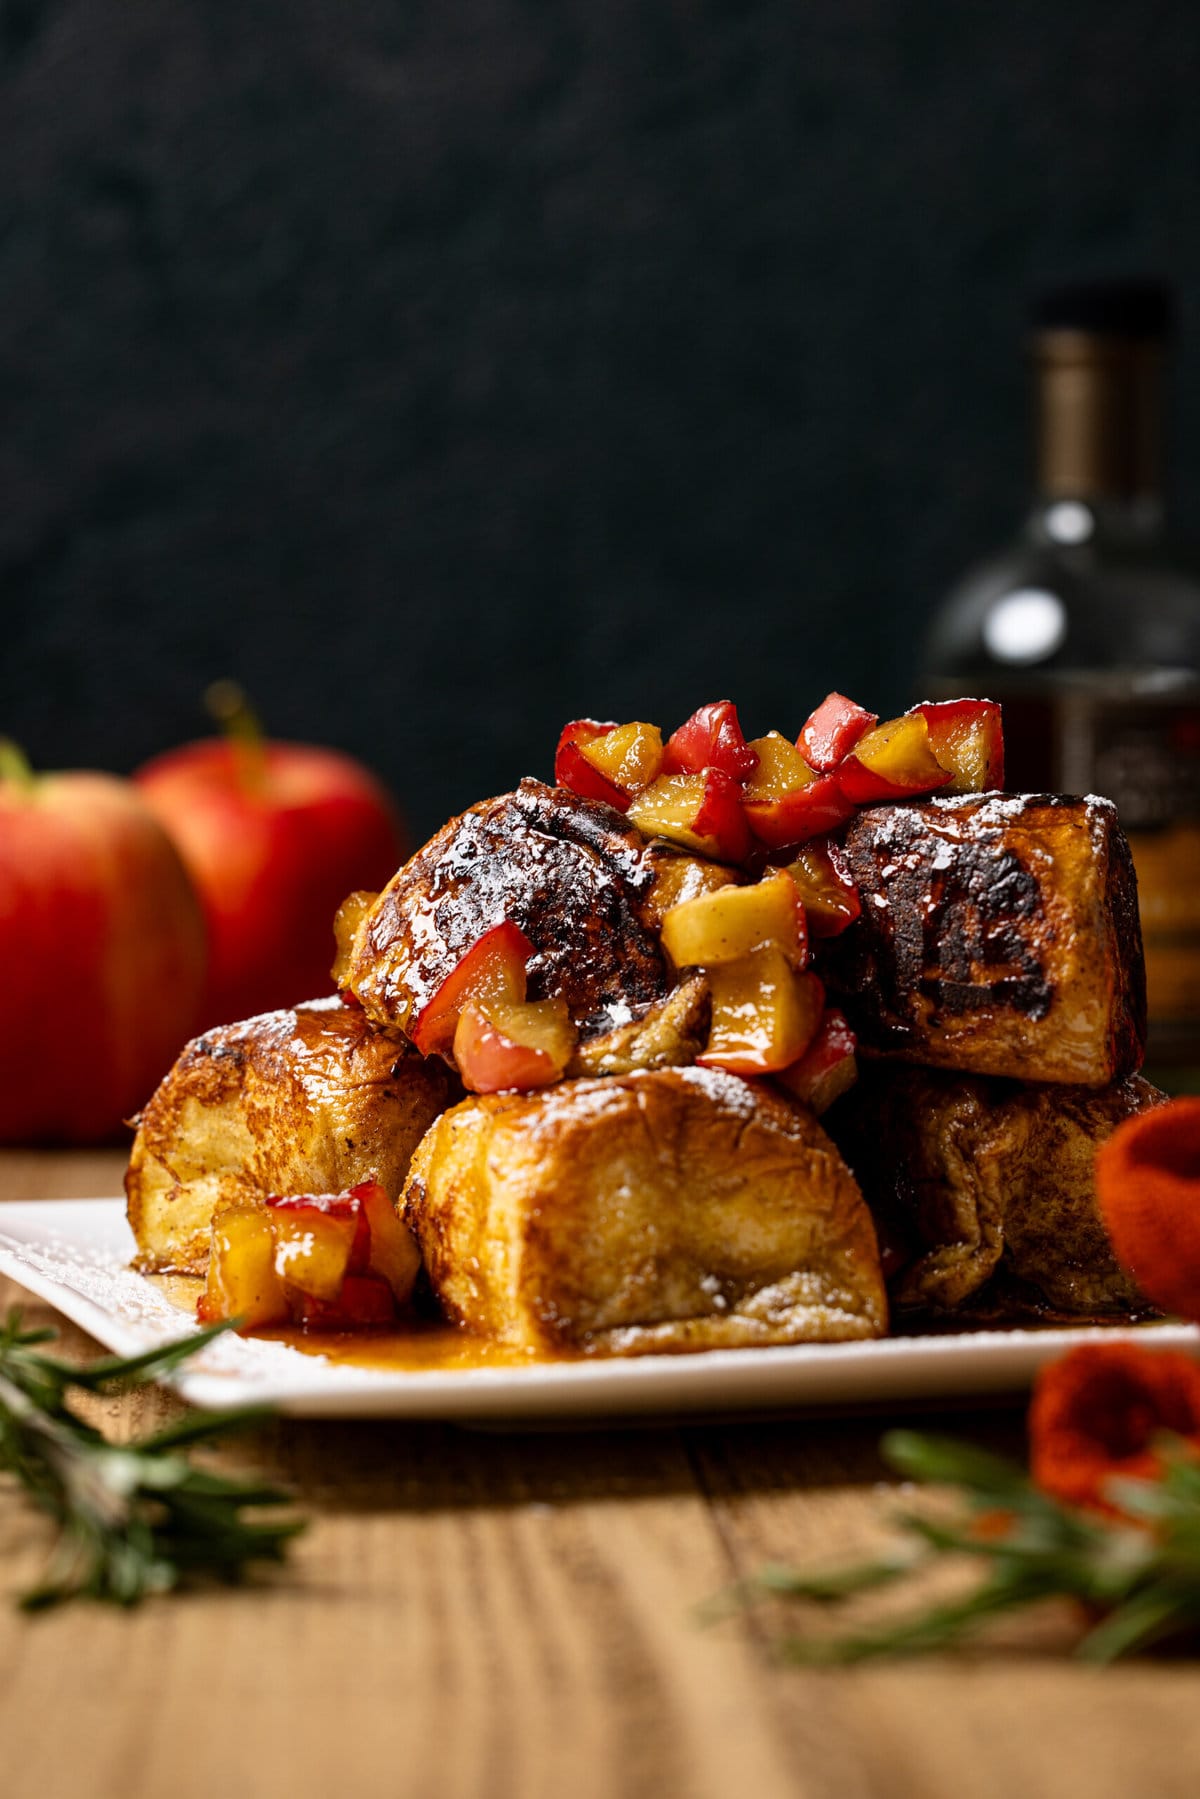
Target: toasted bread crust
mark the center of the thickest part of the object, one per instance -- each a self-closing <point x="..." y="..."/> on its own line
<point x="672" y="1210"/>
<point x="999" y="935"/>
<point x="306" y="1100"/>
<point x="569" y="872"/>
<point x="984" y="1178"/>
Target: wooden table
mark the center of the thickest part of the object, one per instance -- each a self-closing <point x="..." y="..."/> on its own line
<point x="510" y="1616"/>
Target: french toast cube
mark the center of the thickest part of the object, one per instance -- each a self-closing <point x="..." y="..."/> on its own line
<point x="999" y="935"/>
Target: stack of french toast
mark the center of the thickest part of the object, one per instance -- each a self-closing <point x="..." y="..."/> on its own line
<point x="712" y="1043"/>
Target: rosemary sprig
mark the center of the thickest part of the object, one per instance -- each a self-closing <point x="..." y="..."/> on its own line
<point x="134" y="1518"/>
<point x="1140" y="1575"/>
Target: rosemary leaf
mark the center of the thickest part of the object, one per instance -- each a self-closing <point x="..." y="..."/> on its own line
<point x="134" y="1518"/>
<point x="1144" y="1579"/>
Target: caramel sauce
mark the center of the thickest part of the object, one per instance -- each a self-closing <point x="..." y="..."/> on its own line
<point x="419" y="1346"/>
<point x="429" y="1346"/>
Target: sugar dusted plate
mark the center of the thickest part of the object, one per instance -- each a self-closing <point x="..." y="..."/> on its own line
<point x="75" y="1254"/>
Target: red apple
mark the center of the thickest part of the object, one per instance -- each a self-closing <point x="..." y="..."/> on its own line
<point x="274" y="835"/>
<point x="710" y="738"/>
<point x="493" y="968"/>
<point x="831" y="732"/>
<point x="572" y="768"/>
<point x="101" y="954"/>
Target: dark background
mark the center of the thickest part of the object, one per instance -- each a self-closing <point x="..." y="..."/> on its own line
<point x="444" y="372"/>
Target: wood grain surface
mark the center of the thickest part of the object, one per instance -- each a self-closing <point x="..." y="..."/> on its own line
<point x="512" y="1616"/>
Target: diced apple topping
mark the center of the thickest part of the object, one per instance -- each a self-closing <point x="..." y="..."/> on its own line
<point x="314" y="1240"/>
<point x="967" y="737"/>
<point x="702" y="812"/>
<point x="823" y="882"/>
<point x="725" y="926"/>
<point x="781" y="769"/>
<point x="333" y="1260"/>
<point x="492" y="971"/>
<point x="827" y="1069"/>
<point x="710" y="738"/>
<point x="892" y="761"/>
<point x="629" y="757"/>
<point x="785" y="801"/>
<point x="392" y="1251"/>
<point x="764" y="1014"/>
<point x="832" y="731"/>
<point x="786" y="793"/>
<point x="520" y="1044"/>
<point x="242" y="1278"/>
<point x="498" y="1038"/>
<point x="572" y="768"/>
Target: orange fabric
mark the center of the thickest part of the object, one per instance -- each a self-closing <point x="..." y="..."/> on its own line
<point x="1096" y="1413"/>
<point x="1148" y="1185"/>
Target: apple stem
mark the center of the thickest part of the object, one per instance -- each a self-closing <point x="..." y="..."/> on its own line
<point x="228" y="705"/>
<point x="14" y="766"/>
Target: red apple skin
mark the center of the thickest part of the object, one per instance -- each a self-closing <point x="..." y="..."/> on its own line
<point x="576" y="772"/>
<point x="795" y="817"/>
<point x="832" y="731"/>
<point x="710" y="738"/>
<point x="102" y="957"/>
<point x="272" y="859"/>
<point x="490" y="1062"/>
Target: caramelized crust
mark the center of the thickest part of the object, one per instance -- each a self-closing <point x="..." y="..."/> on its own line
<point x="570" y="872"/>
<point x="981" y="1179"/>
<point x="999" y="935"/>
<point x="305" y="1101"/>
<point x="675" y="1210"/>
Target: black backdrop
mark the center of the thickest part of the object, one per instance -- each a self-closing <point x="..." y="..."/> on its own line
<point x="443" y="372"/>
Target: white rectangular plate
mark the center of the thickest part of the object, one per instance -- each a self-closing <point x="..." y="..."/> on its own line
<point x="75" y="1254"/>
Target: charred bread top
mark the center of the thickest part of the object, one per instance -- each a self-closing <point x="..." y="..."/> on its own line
<point x="999" y="935"/>
<point x="570" y="872"/>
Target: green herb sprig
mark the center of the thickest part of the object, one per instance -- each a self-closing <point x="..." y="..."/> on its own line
<point x="134" y="1518"/>
<point x="1139" y="1575"/>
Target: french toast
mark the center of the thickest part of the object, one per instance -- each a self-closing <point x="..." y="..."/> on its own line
<point x="987" y="1188"/>
<point x="311" y="1100"/>
<point x="999" y="935"/>
<point x="568" y="872"/>
<point x="677" y="1209"/>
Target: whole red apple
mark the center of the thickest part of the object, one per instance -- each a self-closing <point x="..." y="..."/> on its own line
<point x="102" y="954"/>
<point x="274" y="836"/>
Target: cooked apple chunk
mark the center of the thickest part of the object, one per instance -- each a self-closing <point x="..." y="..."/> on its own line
<point x="764" y="1014"/>
<point x="734" y="921"/>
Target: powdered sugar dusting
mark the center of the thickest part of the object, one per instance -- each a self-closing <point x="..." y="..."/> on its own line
<point x="734" y="1094"/>
<point x="892" y="827"/>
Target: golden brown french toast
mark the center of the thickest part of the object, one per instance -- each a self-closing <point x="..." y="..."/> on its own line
<point x="311" y="1100"/>
<point x="677" y="1209"/>
<point x="569" y="872"/>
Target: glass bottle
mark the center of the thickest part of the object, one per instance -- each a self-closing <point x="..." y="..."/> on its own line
<point x="1087" y="628"/>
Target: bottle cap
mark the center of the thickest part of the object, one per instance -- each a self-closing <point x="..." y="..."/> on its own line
<point x="1134" y="309"/>
<point x="1098" y="349"/>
